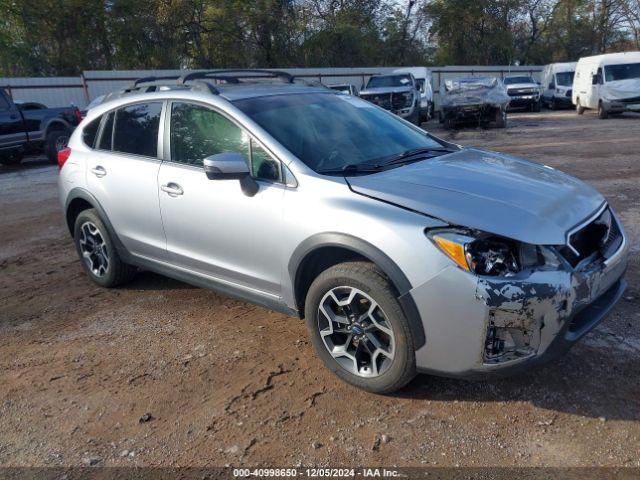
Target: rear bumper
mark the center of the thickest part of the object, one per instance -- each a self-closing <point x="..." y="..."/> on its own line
<point x="469" y="112"/>
<point x="540" y="315"/>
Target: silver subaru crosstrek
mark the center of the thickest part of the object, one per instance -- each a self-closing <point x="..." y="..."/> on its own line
<point x="403" y="252"/>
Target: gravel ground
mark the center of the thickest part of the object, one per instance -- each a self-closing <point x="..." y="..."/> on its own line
<point x="161" y="373"/>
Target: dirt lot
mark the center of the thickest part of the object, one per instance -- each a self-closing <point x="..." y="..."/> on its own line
<point x="226" y="382"/>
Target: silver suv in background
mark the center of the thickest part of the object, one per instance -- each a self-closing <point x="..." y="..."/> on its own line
<point x="403" y="252"/>
<point x="397" y="92"/>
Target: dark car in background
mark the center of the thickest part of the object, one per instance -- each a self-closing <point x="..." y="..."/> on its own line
<point x="27" y="127"/>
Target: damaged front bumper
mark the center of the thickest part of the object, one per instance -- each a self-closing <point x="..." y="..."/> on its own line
<point x="483" y="326"/>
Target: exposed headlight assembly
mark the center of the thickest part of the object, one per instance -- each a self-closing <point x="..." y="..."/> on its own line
<point x="490" y="255"/>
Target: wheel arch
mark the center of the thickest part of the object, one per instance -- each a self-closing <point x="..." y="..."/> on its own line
<point x="79" y="200"/>
<point x="55" y="124"/>
<point x="323" y="250"/>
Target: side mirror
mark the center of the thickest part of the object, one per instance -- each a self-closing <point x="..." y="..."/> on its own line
<point x="552" y="86"/>
<point x="231" y="166"/>
<point x="226" y="166"/>
<point x="595" y="80"/>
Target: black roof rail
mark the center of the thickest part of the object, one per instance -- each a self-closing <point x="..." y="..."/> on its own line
<point x="239" y="73"/>
<point x="154" y="79"/>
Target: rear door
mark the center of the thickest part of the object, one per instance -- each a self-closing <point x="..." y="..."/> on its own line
<point x="122" y="173"/>
<point x="12" y="132"/>
<point x="212" y="227"/>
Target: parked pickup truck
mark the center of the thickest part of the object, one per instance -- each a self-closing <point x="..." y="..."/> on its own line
<point x="397" y="92"/>
<point x="24" y="130"/>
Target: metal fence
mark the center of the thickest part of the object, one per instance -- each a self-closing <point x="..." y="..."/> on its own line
<point x="79" y="91"/>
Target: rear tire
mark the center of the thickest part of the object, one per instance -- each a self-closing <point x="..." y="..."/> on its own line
<point x="371" y="292"/>
<point x="97" y="251"/>
<point x="579" y="108"/>
<point x="56" y="141"/>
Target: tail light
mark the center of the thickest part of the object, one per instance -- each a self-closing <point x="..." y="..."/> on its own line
<point x="78" y="115"/>
<point x="63" y="156"/>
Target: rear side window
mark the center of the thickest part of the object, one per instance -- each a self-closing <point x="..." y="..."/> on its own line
<point x="90" y="132"/>
<point x="107" y="132"/>
<point x="4" y="104"/>
<point x="136" y="129"/>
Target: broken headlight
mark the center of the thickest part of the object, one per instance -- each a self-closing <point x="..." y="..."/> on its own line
<point x="486" y="254"/>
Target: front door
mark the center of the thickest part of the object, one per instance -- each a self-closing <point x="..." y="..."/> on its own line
<point x="211" y="226"/>
<point x="12" y="130"/>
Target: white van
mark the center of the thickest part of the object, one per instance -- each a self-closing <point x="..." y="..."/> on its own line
<point x="557" y="83"/>
<point x="609" y="83"/>
<point x="423" y="78"/>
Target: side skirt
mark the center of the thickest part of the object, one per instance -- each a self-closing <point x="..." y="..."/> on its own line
<point x="256" y="297"/>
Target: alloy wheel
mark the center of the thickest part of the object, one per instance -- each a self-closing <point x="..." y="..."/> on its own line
<point x="61" y="142"/>
<point x="356" y="331"/>
<point x="94" y="249"/>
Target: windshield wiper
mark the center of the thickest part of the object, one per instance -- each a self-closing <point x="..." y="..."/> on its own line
<point x="408" y="155"/>
<point x="352" y="168"/>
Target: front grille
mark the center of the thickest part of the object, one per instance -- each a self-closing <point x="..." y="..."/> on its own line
<point x="521" y="91"/>
<point x="381" y="99"/>
<point x="399" y="101"/>
<point x="389" y="101"/>
<point x="600" y="236"/>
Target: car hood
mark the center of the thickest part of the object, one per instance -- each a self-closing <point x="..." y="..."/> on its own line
<point x="379" y="90"/>
<point x="621" y="89"/>
<point x="487" y="191"/>
<point x="517" y="86"/>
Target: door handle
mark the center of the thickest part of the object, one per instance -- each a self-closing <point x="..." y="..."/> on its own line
<point x="173" y="189"/>
<point x="99" y="171"/>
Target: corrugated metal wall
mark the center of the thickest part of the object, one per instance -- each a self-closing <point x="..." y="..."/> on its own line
<point x="51" y="91"/>
<point x="79" y="91"/>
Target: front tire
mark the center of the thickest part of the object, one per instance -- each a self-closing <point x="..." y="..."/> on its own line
<point x="501" y="118"/>
<point x="11" y="159"/>
<point x="602" y="112"/>
<point x="358" y="328"/>
<point x="97" y="251"/>
<point x="579" y="108"/>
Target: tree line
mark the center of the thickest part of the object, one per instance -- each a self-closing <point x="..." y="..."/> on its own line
<point x="65" y="37"/>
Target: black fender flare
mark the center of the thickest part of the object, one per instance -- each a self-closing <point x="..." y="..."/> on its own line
<point x="54" y="122"/>
<point x="375" y="255"/>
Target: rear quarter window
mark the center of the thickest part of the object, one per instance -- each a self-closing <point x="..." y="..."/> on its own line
<point x="90" y="131"/>
<point x="136" y="129"/>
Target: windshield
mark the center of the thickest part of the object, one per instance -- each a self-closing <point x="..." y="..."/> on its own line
<point x="564" y="79"/>
<point x="512" y="80"/>
<point x="621" y="72"/>
<point x="328" y="131"/>
<point x="340" y="88"/>
<point x="389" y="81"/>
